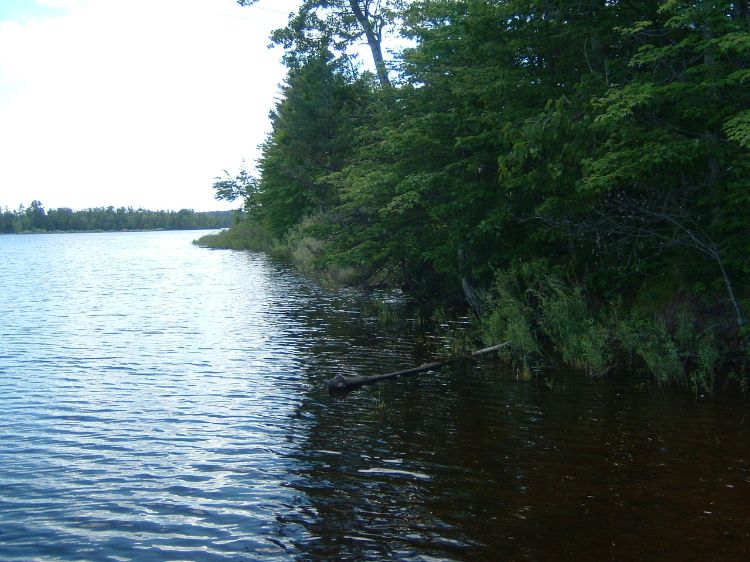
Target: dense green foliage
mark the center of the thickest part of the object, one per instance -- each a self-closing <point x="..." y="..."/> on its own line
<point x="35" y="218"/>
<point x="579" y="171"/>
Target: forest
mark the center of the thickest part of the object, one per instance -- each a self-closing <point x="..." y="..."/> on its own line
<point x="575" y="174"/>
<point x="35" y="218"/>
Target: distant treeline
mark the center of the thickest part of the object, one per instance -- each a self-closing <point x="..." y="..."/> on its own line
<point x="36" y="218"/>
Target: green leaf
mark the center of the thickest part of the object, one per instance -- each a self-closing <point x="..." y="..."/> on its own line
<point x="737" y="42"/>
<point x="738" y="128"/>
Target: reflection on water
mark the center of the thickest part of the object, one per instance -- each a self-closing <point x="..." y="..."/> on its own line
<point x="166" y="402"/>
<point x="472" y="464"/>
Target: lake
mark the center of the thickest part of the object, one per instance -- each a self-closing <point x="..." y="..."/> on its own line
<point x="162" y="401"/>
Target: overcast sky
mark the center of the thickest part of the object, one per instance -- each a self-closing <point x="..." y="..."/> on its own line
<point x="132" y="103"/>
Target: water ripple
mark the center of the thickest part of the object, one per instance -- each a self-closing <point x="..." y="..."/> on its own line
<point x="146" y="408"/>
<point x="165" y="402"/>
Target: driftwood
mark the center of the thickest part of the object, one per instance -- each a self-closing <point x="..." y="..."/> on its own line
<point x="341" y="382"/>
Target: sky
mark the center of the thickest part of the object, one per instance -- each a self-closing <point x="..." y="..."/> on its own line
<point x="138" y="103"/>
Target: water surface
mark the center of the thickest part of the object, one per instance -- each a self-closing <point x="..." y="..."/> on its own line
<point x="166" y="402"/>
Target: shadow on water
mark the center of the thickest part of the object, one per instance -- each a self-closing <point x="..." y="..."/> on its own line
<point x="470" y="462"/>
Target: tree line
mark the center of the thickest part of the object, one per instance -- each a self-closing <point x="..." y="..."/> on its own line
<point x="575" y="172"/>
<point x="36" y="218"/>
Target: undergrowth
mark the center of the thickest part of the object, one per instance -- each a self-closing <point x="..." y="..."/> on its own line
<point x="544" y="318"/>
<point x="243" y="235"/>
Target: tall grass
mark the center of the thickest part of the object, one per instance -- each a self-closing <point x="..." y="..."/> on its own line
<point x="648" y="340"/>
<point x="509" y="318"/>
<point x="544" y="317"/>
<point x="534" y="310"/>
<point x="242" y="235"/>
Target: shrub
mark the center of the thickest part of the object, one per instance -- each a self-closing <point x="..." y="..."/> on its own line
<point x="243" y="235"/>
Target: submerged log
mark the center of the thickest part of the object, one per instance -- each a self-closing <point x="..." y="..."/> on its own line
<point x="341" y="382"/>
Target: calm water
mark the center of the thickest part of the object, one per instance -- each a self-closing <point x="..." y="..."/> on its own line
<point x="160" y="401"/>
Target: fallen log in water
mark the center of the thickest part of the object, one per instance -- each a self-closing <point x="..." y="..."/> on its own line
<point x="341" y="382"/>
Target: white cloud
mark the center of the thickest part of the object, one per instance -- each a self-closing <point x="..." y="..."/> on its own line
<point x="134" y="103"/>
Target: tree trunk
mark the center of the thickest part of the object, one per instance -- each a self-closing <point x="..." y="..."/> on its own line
<point x="743" y="13"/>
<point x="732" y="297"/>
<point x="471" y="296"/>
<point x="341" y="383"/>
<point x="373" y="40"/>
<point x="469" y="293"/>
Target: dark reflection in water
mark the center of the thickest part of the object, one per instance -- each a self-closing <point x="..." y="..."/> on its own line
<point x="470" y="463"/>
<point x="164" y="402"/>
<point x="473" y="463"/>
